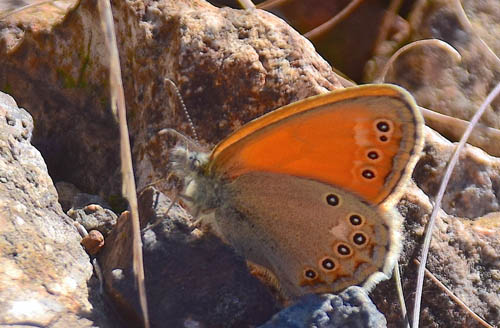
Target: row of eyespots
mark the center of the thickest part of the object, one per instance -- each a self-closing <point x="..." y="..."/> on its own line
<point x="329" y="264"/>
<point x="354" y="219"/>
<point x="342" y="250"/>
<point x="384" y="129"/>
<point x="372" y="155"/>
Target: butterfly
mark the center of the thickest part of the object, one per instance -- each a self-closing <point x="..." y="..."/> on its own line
<point x="307" y="192"/>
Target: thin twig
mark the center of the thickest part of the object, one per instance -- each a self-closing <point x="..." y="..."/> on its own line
<point x="430" y="226"/>
<point x="270" y="4"/>
<point x="464" y="20"/>
<point x="401" y="298"/>
<point x="160" y="219"/>
<point x="335" y="20"/>
<point x="481" y="136"/>
<point x="455" y="298"/>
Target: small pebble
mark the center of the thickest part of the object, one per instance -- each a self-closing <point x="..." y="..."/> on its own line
<point x="93" y="242"/>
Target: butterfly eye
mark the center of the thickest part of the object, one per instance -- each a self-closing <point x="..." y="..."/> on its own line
<point x="332" y="200"/>
<point x="328" y="264"/>
<point x="194" y="162"/>
<point x="343" y="250"/>
<point x="368" y="174"/>
<point x="384" y="129"/>
<point x="355" y="220"/>
<point x="373" y="155"/>
<point x="383" y="126"/>
<point x="310" y="274"/>
<point x="359" y="239"/>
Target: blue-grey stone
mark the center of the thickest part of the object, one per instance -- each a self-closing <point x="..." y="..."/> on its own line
<point x="352" y="308"/>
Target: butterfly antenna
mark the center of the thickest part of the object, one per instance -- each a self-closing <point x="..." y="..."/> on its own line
<point x="439" y="197"/>
<point x="455" y="55"/>
<point x="184" y="108"/>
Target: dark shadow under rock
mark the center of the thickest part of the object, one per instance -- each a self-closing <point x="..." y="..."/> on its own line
<point x="190" y="276"/>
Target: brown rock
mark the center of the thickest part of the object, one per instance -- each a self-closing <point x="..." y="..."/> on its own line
<point x="483" y="16"/>
<point x="93" y="242"/>
<point x="50" y="63"/>
<point x="235" y="68"/>
<point x="247" y="63"/>
<point x="94" y="216"/>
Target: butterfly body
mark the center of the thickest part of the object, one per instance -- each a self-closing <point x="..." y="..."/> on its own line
<point x="307" y="191"/>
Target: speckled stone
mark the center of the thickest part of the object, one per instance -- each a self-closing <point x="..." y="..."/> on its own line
<point x="43" y="269"/>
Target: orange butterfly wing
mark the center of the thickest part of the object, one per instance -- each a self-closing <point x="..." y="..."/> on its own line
<point x="364" y="139"/>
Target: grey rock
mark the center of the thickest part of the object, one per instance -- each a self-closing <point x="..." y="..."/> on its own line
<point x="351" y="308"/>
<point x="94" y="217"/>
<point x="66" y="192"/>
<point x="43" y="269"/>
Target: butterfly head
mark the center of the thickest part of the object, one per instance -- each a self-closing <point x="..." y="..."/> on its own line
<point x="187" y="163"/>
<point x="201" y="190"/>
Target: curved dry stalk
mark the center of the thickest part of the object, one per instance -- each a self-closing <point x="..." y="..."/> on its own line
<point x="128" y="182"/>
<point x="437" y="205"/>
<point x="246" y="4"/>
<point x="464" y="20"/>
<point x="335" y="20"/>
<point x="429" y="42"/>
<point x="346" y="82"/>
<point x="455" y="298"/>
<point x="270" y="4"/>
<point x="481" y="135"/>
